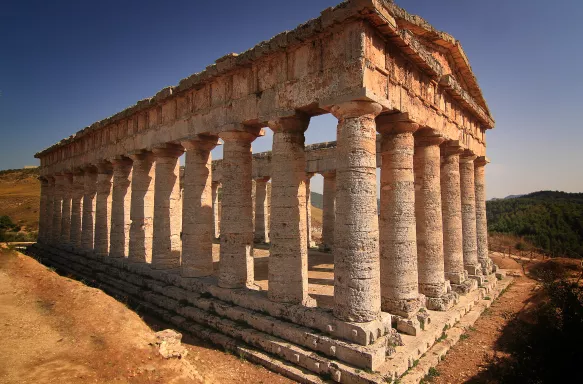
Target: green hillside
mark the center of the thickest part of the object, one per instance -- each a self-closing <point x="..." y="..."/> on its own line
<point x="550" y="220"/>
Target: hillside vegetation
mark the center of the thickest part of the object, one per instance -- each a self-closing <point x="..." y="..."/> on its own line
<point x="550" y="220"/>
<point x="20" y="197"/>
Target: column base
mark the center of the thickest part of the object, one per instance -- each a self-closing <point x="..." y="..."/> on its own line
<point x="473" y="269"/>
<point x="479" y="278"/>
<point x="465" y="286"/>
<point x="487" y="266"/>
<point x="456" y="277"/>
<point x="442" y="303"/>
<point x="195" y="272"/>
<point x="405" y="308"/>
<point x="412" y="325"/>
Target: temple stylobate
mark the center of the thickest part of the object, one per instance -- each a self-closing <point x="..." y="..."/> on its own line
<point x="115" y="206"/>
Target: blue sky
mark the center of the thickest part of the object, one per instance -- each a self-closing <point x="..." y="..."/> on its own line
<point x="67" y="63"/>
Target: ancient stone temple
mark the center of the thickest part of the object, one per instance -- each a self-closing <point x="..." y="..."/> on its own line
<point x="115" y="208"/>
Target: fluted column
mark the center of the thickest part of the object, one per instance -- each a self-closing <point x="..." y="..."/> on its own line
<point x="468" y="193"/>
<point x="398" y="229"/>
<point x="481" y="219"/>
<point x="142" y="207"/>
<point x="166" y="244"/>
<point x="197" y="209"/>
<point x="309" y="240"/>
<point x="103" y="209"/>
<point x="77" y="209"/>
<point x="261" y="211"/>
<point x="43" y="210"/>
<point x="215" y="192"/>
<point x="57" y="209"/>
<point x="120" y="207"/>
<point x="452" y="213"/>
<point x="430" y="257"/>
<point x="328" y="209"/>
<point x="356" y="234"/>
<point x="288" y="260"/>
<point x="67" y="183"/>
<point x="89" y="202"/>
<point x="236" y="255"/>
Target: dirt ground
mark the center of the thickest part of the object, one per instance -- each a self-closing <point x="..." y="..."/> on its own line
<point x="57" y="330"/>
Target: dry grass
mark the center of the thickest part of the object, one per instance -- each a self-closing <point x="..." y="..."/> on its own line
<point x="20" y="197"/>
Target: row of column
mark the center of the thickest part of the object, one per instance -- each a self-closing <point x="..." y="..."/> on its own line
<point x="131" y="208"/>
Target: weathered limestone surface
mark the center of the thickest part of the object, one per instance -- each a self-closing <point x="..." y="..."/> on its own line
<point x="89" y="202"/>
<point x="261" y="211"/>
<point x="166" y="244"/>
<point x="236" y="254"/>
<point x="103" y="209"/>
<point x="44" y="214"/>
<point x="67" y="182"/>
<point x="481" y="220"/>
<point x="356" y="231"/>
<point x="142" y="207"/>
<point x="77" y="193"/>
<point x="57" y="209"/>
<point x="398" y="236"/>
<point x="329" y="209"/>
<point x="288" y="259"/>
<point x="197" y="210"/>
<point x="469" y="214"/>
<point x="309" y="240"/>
<point x="120" y="207"/>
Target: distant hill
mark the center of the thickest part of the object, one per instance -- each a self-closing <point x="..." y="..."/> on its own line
<point x="550" y="220"/>
<point x="20" y="197"/>
<point x="317" y="200"/>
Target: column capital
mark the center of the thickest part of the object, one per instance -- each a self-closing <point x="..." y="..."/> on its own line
<point x="328" y="174"/>
<point x="120" y="161"/>
<point x="467" y="157"/>
<point x="263" y="179"/>
<point x="482" y="161"/>
<point x="104" y="167"/>
<point x="309" y="175"/>
<point x="168" y="150"/>
<point x="141" y="155"/>
<point x="427" y="138"/>
<point x="451" y="148"/>
<point x="201" y="142"/>
<point x="296" y="123"/>
<point x="396" y="123"/>
<point x="355" y="109"/>
<point x="88" y="168"/>
<point x="244" y="136"/>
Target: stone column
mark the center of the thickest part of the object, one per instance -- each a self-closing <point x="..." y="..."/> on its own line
<point x="261" y="211"/>
<point x="309" y="240"/>
<point x="119" y="237"/>
<point x="217" y="227"/>
<point x="57" y="209"/>
<point x="197" y="209"/>
<point x="103" y="209"/>
<point x="142" y="207"/>
<point x="481" y="219"/>
<point x="288" y="259"/>
<point x="166" y="244"/>
<point x="398" y="229"/>
<point x="89" y="202"/>
<point x="328" y="209"/>
<point x="471" y="263"/>
<point x="236" y="257"/>
<point x="430" y="257"/>
<point x="452" y="213"/>
<point x="67" y="182"/>
<point x="356" y="231"/>
<point x="77" y="209"/>
<point x="43" y="210"/>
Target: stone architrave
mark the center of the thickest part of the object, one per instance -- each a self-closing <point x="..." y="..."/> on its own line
<point x="356" y="231"/>
<point x="120" y="207"/>
<point x="288" y="261"/>
<point x="142" y="207"/>
<point x="67" y="183"/>
<point x="197" y="208"/>
<point x="481" y="219"/>
<point x="236" y="254"/>
<point x="398" y="229"/>
<point x="103" y="209"/>
<point x="261" y="211"/>
<point x="467" y="184"/>
<point x="77" y="193"/>
<point x="328" y="209"/>
<point x="166" y="244"/>
<point x="89" y="205"/>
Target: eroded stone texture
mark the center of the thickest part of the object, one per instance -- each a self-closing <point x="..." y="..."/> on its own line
<point x="103" y="209"/>
<point x="57" y="209"/>
<point x="67" y="182"/>
<point x="471" y="263"/>
<point x="166" y="244"/>
<point x="328" y="209"/>
<point x="288" y="259"/>
<point x="89" y="202"/>
<point x="236" y="254"/>
<point x="197" y="210"/>
<point x="77" y="192"/>
<point x="261" y="211"/>
<point x="43" y="212"/>
<point x="356" y="231"/>
<point x="217" y="227"/>
<point x="452" y="213"/>
<point x="142" y="207"/>
<point x="309" y="240"/>
<point x="481" y="219"/>
<point x="120" y="207"/>
<point x="398" y="236"/>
